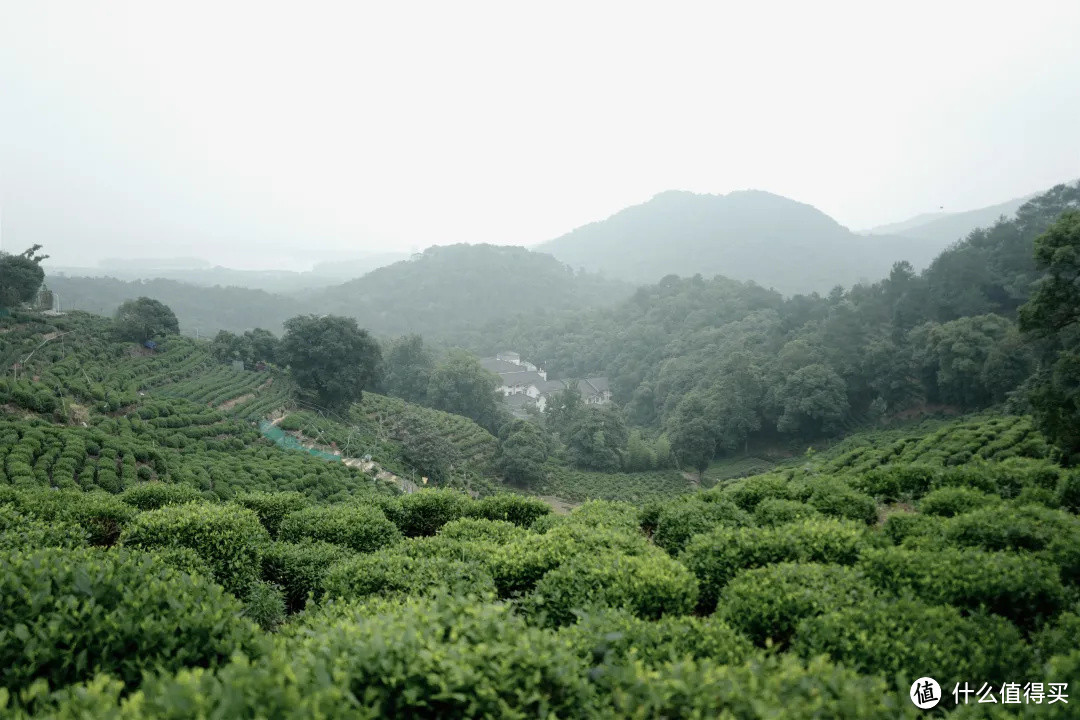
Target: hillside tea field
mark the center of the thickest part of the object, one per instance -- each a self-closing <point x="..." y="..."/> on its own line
<point x="160" y="559"/>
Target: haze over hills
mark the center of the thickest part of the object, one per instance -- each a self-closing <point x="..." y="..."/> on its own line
<point x="198" y="271"/>
<point x="746" y="235"/>
<point x="948" y="227"/>
<point x="439" y="293"/>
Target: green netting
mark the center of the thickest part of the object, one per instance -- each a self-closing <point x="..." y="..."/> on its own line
<point x="285" y="440"/>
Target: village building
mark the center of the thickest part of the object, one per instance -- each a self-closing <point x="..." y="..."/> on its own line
<point x="524" y="385"/>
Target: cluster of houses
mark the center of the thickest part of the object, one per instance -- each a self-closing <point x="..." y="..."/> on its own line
<point x="525" y="386"/>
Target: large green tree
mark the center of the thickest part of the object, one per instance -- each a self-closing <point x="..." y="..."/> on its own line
<point x="813" y="401"/>
<point x="408" y="365"/>
<point x="693" y="441"/>
<point x="597" y="438"/>
<point x="1053" y="316"/>
<point x="20" y="276"/>
<point x="331" y="358"/>
<point x="460" y="385"/>
<point x="523" y="450"/>
<point x="143" y="319"/>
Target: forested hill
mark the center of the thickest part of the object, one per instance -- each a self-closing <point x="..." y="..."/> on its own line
<point x="440" y="293"/>
<point x="451" y="289"/>
<point x="749" y="235"/>
<point x="753" y="365"/>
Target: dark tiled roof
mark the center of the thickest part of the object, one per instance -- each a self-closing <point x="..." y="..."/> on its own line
<point x="499" y="366"/>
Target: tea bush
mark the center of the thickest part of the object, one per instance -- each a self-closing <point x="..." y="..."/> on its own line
<point x="228" y="537"/>
<point x="950" y="501"/>
<point x="610" y="637"/>
<point x="265" y="605"/>
<point x="103" y="516"/>
<point x="68" y="614"/>
<point x="719" y="555"/>
<point x="518" y="509"/>
<point x="1016" y="586"/>
<point x="908" y="638"/>
<point x="649" y="586"/>
<point x="778" y="511"/>
<point x="424" y="512"/>
<point x="272" y="507"/>
<point x="359" y="527"/>
<point x="387" y="573"/>
<point x="498" y="532"/>
<point x="518" y="566"/>
<point x="767" y="687"/>
<point x="680" y="521"/>
<point x="767" y="603"/>
<point x="153" y="495"/>
<point x="300" y="568"/>
<point x="835" y="498"/>
<point x="22" y="532"/>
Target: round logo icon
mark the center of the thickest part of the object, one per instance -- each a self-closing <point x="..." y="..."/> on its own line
<point x="925" y="693"/>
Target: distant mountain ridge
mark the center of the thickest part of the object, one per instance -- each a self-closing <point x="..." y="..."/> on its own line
<point x="442" y="293"/>
<point x="745" y="235"/>
<point x="948" y="227"/>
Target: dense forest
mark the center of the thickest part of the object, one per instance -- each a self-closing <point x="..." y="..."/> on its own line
<point x="755" y="366"/>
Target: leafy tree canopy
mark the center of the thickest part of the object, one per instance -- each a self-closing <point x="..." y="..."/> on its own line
<point x="331" y="358"/>
<point x="143" y="319"/>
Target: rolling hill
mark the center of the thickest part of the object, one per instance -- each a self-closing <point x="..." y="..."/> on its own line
<point x="441" y="293"/>
<point x="946" y="228"/>
<point x="747" y="235"/>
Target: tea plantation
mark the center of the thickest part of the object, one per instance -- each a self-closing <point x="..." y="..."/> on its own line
<point x="159" y="558"/>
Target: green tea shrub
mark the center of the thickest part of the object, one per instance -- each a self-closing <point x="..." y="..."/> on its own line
<point x="901" y="527"/>
<point x="766" y="687"/>
<point x="771" y="512"/>
<point x="424" y="512"/>
<point x="272" y="507"/>
<point x="1017" y="586"/>
<point x="1028" y="527"/>
<point x="908" y="638"/>
<point x="767" y="603"/>
<point x="649" y="586"/>
<point x="388" y="572"/>
<point x="1059" y="636"/>
<point x="649" y="515"/>
<point x="897" y="482"/>
<point x="228" y="537"/>
<point x="950" y="501"/>
<point x="518" y="509"/>
<point x="300" y="568"/>
<point x="1068" y="491"/>
<point x="153" y="495"/>
<point x="751" y="491"/>
<point x="498" y="532"/>
<point x="102" y="515"/>
<point x="605" y="514"/>
<point x="719" y="555"/>
<point x="608" y="637"/>
<point x="23" y="532"/>
<point x="185" y="560"/>
<point x="68" y="614"/>
<point x="1038" y="496"/>
<point x="358" y="527"/>
<point x="680" y="521"/>
<point x="265" y="605"/>
<point x="833" y="497"/>
<point x="519" y="565"/>
<point x="442" y="546"/>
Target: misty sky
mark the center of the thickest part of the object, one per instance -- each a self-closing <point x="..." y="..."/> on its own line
<point x="276" y="135"/>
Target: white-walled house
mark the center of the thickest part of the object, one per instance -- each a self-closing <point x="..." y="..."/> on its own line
<point x="524" y="379"/>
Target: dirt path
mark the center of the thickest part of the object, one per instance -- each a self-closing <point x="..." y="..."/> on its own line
<point x="230" y="404"/>
<point x="560" y="506"/>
